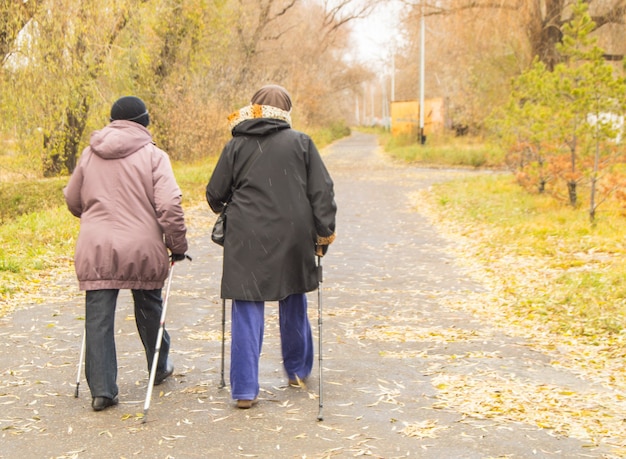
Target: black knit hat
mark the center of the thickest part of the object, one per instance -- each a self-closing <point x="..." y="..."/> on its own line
<point x="130" y="108"/>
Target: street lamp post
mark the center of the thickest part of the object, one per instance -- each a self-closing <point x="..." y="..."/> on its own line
<point x="421" y="136"/>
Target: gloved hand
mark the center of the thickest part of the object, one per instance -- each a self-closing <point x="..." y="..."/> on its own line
<point x="320" y="250"/>
<point x="179" y="257"/>
<point x="322" y="243"/>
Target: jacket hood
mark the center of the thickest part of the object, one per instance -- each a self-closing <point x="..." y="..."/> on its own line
<point x="259" y="127"/>
<point x="258" y="120"/>
<point x="119" y="139"/>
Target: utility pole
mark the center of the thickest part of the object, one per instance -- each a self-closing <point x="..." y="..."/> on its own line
<point x="384" y="103"/>
<point x="421" y="137"/>
<point x="393" y="74"/>
<point x="372" y="88"/>
<point x="364" y="111"/>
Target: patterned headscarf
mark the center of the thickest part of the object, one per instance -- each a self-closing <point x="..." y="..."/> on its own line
<point x="271" y="101"/>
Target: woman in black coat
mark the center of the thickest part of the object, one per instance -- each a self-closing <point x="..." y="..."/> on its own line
<point x="280" y="214"/>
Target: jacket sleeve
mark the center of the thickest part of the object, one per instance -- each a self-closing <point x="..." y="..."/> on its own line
<point x="72" y="192"/>
<point x="168" y="204"/>
<point x="320" y="190"/>
<point x="218" y="190"/>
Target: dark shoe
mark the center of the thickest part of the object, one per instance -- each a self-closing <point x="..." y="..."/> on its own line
<point x="245" y="404"/>
<point x="100" y="403"/>
<point x="163" y="375"/>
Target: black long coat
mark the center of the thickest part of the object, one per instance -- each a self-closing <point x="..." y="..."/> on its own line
<point x="277" y="210"/>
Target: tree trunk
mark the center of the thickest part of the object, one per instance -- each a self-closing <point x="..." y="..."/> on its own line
<point x="545" y="31"/>
<point x="76" y="122"/>
<point x="61" y="147"/>
<point x="571" y="191"/>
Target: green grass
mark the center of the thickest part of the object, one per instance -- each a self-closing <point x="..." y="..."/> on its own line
<point x="25" y="196"/>
<point x="576" y="285"/>
<point x="579" y="283"/>
<point x="325" y="136"/>
<point x="193" y="178"/>
<point x="443" y="151"/>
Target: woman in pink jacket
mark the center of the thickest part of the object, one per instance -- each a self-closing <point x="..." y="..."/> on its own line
<point x="129" y="205"/>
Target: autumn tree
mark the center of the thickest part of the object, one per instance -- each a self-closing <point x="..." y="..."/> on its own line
<point x="592" y="99"/>
<point x="572" y="110"/>
<point x="470" y="56"/>
<point x="541" y="21"/>
<point x="53" y="78"/>
<point x="14" y="15"/>
<point x="192" y="61"/>
<point x="474" y="47"/>
<point x="167" y="56"/>
<point x="241" y="45"/>
<point x="526" y="129"/>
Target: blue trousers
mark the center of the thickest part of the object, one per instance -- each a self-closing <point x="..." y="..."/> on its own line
<point x="100" y="353"/>
<point x="247" y="329"/>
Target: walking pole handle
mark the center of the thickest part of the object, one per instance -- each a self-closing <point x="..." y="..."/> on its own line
<point x="320" y="271"/>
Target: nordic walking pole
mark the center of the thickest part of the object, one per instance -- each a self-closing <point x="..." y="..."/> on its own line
<point x="222" y="382"/>
<point x="320" y="277"/>
<point x="157" y="349"/>
<point x="81" y="359"/>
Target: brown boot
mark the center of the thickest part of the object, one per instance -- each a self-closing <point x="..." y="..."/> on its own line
<point x="245" y="404"/>
<point x="297" y="382"/>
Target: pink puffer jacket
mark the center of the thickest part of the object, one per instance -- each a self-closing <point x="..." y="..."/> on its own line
<point x="129" y="205"/>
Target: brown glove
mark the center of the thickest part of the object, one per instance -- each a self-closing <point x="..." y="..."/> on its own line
<point x="321" y="246"/>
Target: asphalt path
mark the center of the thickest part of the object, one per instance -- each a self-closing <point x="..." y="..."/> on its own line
<point x="397" y="360"/>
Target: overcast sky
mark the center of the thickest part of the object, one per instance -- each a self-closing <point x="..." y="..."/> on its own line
<point x="374" y="36"/>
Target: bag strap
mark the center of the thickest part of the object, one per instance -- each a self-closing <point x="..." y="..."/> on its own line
<point x="244" y="171"/>
<point x="253" y="158"/>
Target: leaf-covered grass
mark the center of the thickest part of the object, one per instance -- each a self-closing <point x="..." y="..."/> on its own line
<point x="555" y="266"/>
<point x="31" y="244"/>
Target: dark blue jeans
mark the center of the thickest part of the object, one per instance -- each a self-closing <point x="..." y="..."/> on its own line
<point x="247" y="329"/>
<point x="100" y="353"/>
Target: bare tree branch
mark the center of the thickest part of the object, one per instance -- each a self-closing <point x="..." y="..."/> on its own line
<point x="544" y="19"/>
<point x="432" y="9"/>
<point x="250" y="44"/>
<point x="338" y="14"/>
<point x="615" y="15"/>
